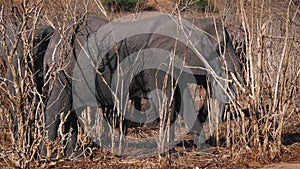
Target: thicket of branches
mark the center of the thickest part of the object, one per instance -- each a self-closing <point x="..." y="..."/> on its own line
<point x="270" y="39"/>
<point x="20" y="100"/>
<point x="265" y="34"/>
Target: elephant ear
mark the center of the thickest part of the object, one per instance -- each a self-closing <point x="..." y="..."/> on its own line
<point x="216" y="32"/>
<point x="210" y="26"/>
<point x="232" y="60"/>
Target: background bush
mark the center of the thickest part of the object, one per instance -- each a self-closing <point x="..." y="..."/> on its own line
<point x="126" y="5"/>
<point x="195" y="5"/>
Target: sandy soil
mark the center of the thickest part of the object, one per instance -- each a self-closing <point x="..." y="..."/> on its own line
<point x="187" y="157"/>
<point x="282" y="166"/>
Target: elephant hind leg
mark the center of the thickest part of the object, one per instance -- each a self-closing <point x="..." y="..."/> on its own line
<point x="51" y="134"/>
<point x="71" y="127"/>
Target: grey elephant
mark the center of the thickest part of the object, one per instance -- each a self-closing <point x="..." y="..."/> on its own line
<point x="105" y="64"/>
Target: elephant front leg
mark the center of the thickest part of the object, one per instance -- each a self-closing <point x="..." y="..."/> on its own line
<point x="190" y="117"/>
<point x="59" y="103"/>
<point x="52" y="123"/>
<point x="69" y="134"/>
<point x="151" y="112"/>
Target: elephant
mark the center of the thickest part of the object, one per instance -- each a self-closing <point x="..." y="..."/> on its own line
<point x="105" y="64"/>
<point x="40" y="42"/>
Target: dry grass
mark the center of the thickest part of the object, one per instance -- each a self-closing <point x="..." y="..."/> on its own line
<point x="266" y="35"/>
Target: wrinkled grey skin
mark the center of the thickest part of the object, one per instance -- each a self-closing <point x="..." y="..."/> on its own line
<point x="10" y="39"/>
<point x="59" y="90"/>
<point x="60" y="93"/>
<point x="220" y="38"/>
<point x="40" y="43"/>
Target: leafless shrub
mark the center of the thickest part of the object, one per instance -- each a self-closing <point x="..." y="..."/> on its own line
<point x="269" y="39"/>
<point x="22" y="105"/>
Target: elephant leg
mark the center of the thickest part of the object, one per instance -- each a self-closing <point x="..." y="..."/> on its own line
<point x="52" y="123"/>
<point x="12" y="110"/>
<point x="152" y="110"/>
<point x="190" y="117"/>
<point x="60" y="101"/>
<point x="141" y="105"/>
<point x="137" y="104"/>
<point x="15" y="123"/>
<point x="134" y="115"/>
<point x="175" y="111"/>
<point x="106" y="124"/>
<point x="158" y="105"/>
<point x="72" y="128"/>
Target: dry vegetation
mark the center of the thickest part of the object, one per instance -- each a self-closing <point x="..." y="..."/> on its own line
<point x="266" y="35"/>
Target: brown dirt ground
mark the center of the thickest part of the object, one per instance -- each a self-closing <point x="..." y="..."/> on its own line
<point x="187" y="157"/>
<point x="223" y="158"/>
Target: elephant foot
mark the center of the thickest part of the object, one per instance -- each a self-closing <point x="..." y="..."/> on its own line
<point x="46" y="152"/>
<point x="175" y="153"/>
<point x="202" y="144"/>
<point x="171" y="152"/>
<point x="42" y="150"/>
